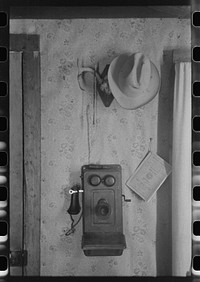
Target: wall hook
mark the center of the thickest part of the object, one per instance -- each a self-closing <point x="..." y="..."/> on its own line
<point x="126" y="200"/>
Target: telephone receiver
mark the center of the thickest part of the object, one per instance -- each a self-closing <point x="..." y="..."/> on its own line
<point x="74" y="207"/>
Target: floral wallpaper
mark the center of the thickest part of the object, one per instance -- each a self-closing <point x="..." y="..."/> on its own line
<point x="72" y="138"/>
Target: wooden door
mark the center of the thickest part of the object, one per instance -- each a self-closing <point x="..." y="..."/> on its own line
<point x="25" y="140"/>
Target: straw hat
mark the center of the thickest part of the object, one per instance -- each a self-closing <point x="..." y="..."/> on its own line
<point x="133" y="79"/>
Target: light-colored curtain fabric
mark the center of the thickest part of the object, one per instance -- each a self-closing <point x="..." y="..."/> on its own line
<point x="181" y="171"/>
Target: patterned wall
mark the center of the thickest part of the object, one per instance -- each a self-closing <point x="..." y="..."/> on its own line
<point x="70" y="139"/>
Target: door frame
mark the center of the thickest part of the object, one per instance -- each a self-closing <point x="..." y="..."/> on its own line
<point x="28" y="200"/>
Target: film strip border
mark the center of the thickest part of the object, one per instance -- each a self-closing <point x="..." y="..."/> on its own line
<point x="4" y="142"/>
<point x="195" y="33"/>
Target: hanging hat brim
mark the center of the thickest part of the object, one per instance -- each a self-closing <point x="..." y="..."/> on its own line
<point x="139" y="97"/>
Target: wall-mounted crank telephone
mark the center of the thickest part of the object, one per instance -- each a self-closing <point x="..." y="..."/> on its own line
<point x="101" y="209"/>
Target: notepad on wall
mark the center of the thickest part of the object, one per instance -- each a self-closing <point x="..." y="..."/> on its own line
<point x="149" y="176"/>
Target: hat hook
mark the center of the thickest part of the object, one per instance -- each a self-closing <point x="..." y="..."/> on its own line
<point x="82" y="69"/>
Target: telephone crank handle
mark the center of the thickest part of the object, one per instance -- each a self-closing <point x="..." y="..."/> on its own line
<point x="75" y="191"/>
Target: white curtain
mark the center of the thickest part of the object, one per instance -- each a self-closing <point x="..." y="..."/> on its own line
<point x="181" y="172"/>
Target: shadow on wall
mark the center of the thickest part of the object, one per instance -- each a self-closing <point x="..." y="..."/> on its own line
<point x="164" y="149"/>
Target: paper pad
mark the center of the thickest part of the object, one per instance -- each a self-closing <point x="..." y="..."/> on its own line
<point x="149" y="176"/>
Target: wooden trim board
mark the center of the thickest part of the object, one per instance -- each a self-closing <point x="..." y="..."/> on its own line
<point x="28" y="167"/>
<point x="32" y="169"/>
<point x="16" y="158"/>
<point x="180" y="55"/>
<point x="24" y="42"/>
